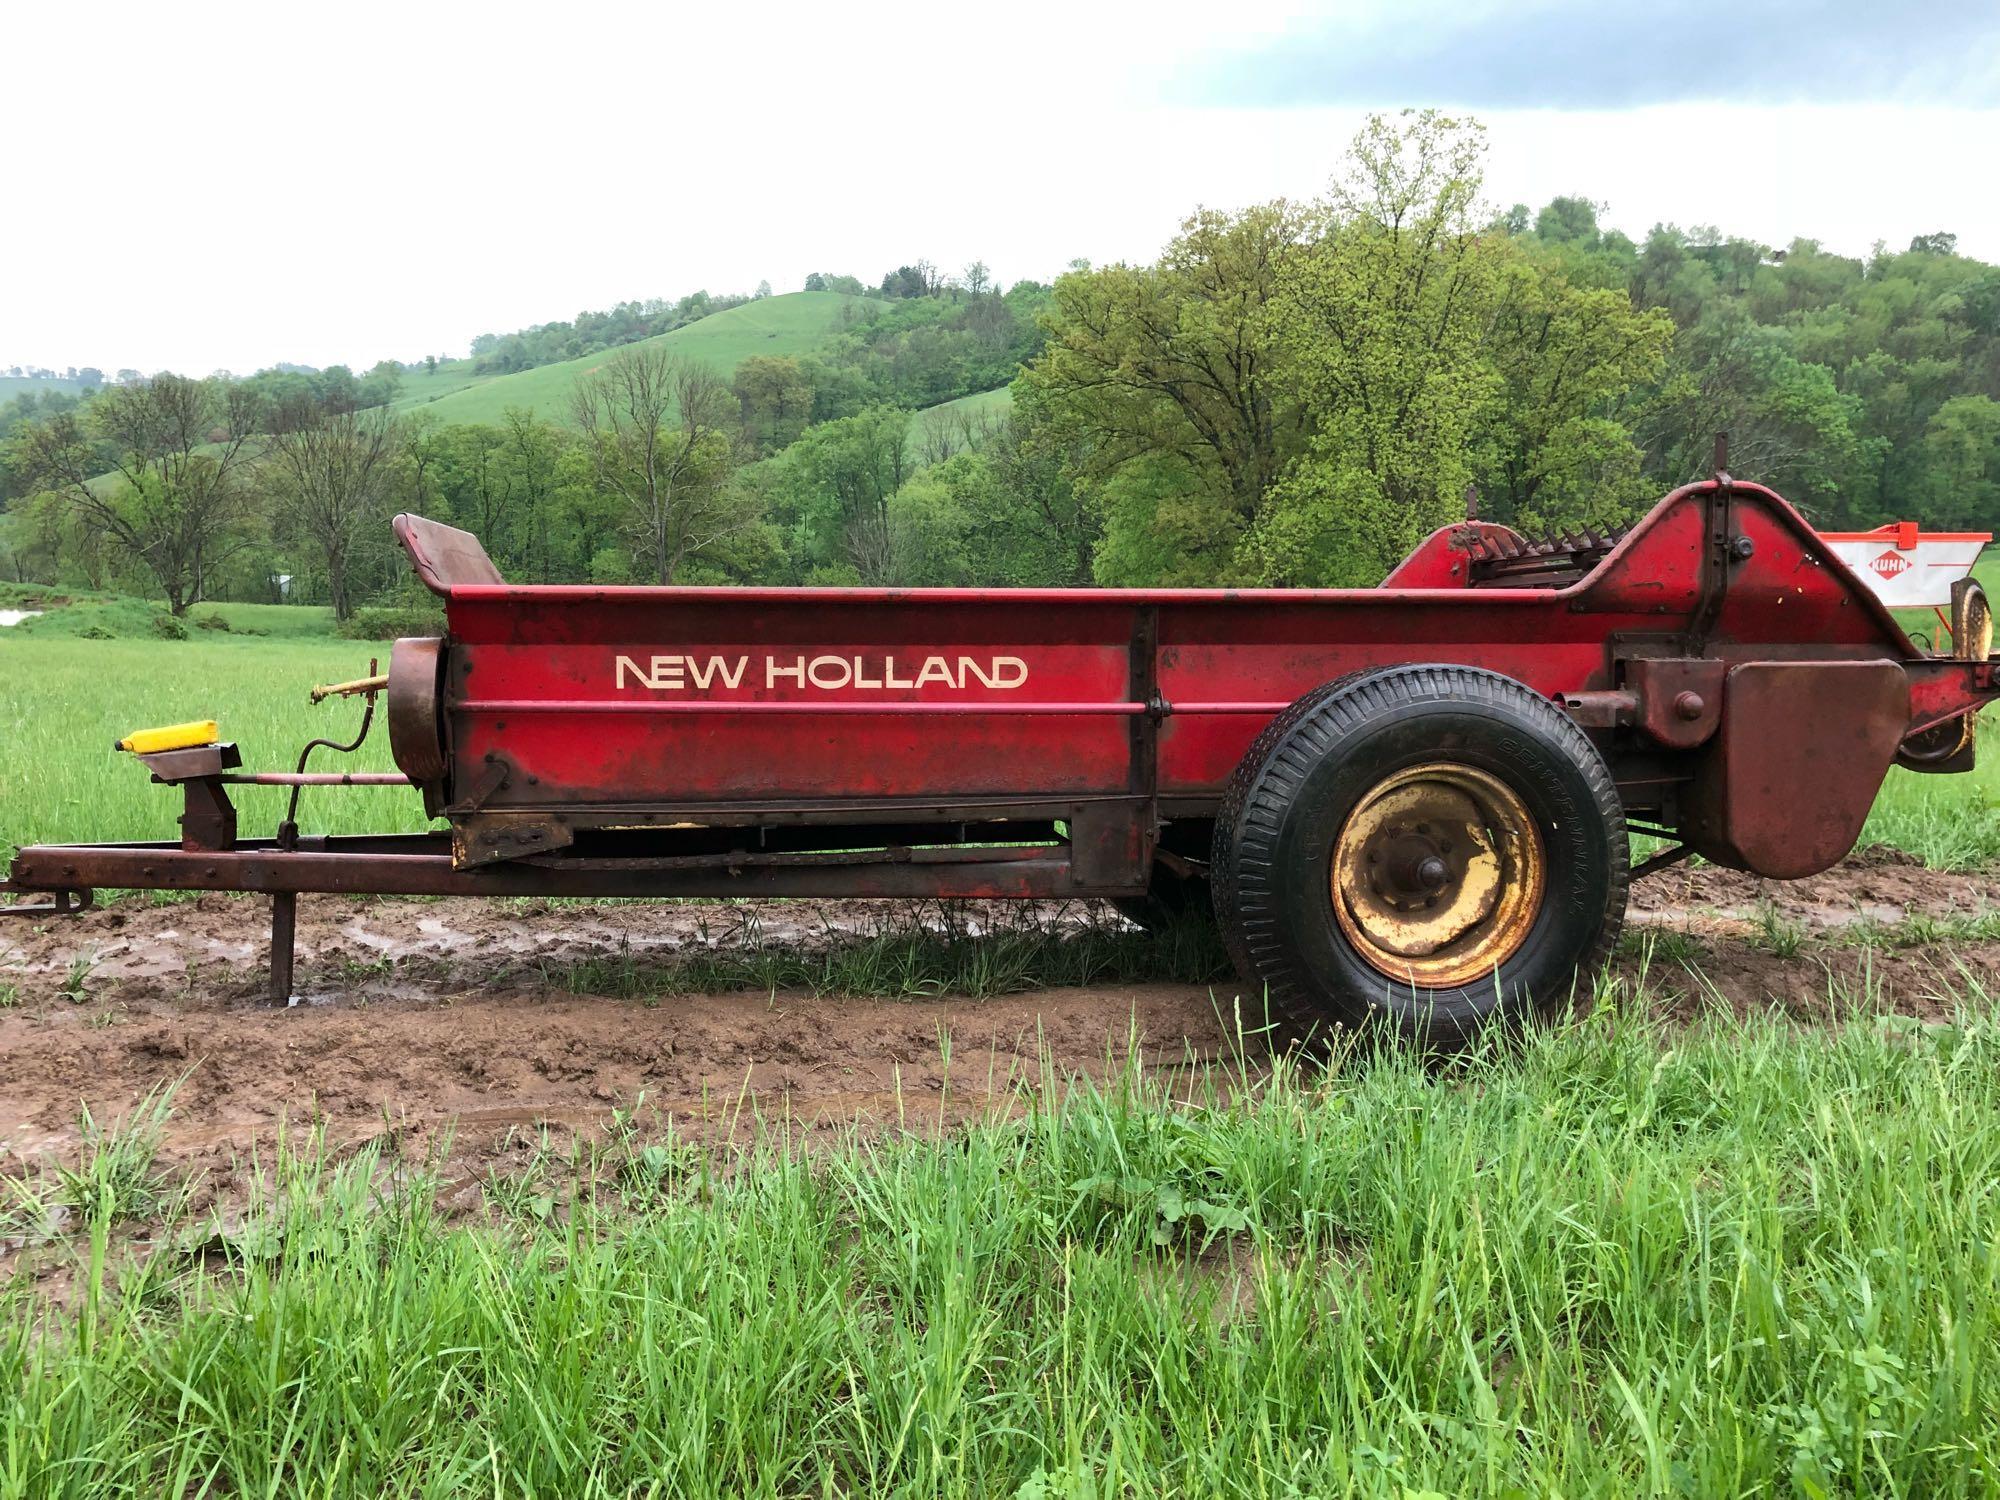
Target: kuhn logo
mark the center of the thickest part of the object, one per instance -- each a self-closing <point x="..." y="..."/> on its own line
<point x="828" y="673"/>
<point x="1889" y="564"/>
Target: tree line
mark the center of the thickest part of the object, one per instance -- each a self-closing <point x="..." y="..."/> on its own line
<point x="1292" y="394"/>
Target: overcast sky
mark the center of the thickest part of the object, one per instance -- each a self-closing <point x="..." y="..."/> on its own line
<point x="200" y="185"/>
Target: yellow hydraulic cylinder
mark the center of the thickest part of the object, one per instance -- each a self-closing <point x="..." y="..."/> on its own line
<point x="172" y="737"/>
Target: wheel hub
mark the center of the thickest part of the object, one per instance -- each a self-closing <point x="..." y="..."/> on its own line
<point x="1438" y="874"/>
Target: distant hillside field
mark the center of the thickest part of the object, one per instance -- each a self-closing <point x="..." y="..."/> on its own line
<point x="23" y="385"/>
<point x="994" y="404"/>
<point x="793" y="324"/>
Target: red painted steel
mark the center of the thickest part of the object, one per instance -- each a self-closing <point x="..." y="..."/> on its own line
<point x="804" y="741"/>
<point x="629" y="696"/>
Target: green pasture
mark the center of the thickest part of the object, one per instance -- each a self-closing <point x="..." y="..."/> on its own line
<point x="72" y="613"/>
<point x="789" y="325"/>
<point x="994" y="404"/>
<point x="420" y="386"/>
<point x="63" y="702"/>
<point x="22" y="385"/>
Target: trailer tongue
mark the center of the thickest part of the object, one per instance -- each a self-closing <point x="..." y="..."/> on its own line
<point x="1409" y="804"/>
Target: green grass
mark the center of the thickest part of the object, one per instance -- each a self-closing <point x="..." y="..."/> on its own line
<point x="1740" y="1259"/>
<point x="72" y="613"/>
<point x="992" y="405"/>
<point x="66" y="701"/>
<point x="22" y="385"/>
<point x="1948" y="822"/>
<point x="420" y="386"/>
<point x="793" y="324"/>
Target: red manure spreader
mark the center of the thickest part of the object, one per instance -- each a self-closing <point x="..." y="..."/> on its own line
<point x="1409" y="805"/>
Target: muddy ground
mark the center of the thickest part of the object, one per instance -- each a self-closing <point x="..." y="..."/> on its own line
<point x="451" y="1022"/>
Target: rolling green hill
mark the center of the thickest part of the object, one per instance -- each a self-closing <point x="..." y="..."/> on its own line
<point x="23" y="385"/>
<point x="793" y="324"/>
<point x="995" y="404"/>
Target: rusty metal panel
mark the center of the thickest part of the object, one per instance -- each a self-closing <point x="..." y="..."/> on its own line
<point x="421" y="865"/>
<point x="416" y="718"/>
<point x="444" y="557"/>
<point x="1111" y="846"/>
<point x="666" y="699"/>
<point x="1786" y="785"/>
<point x="1680" y="699"/>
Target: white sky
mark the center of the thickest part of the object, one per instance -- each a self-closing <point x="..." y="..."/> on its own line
<point x="205" y="185"/>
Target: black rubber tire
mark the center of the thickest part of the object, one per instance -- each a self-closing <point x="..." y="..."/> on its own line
<point x="1291" y="795"/>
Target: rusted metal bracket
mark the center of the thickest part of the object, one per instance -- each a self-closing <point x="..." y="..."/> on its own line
<point x="61" y="903"/>
<point x="1665" y="859"/>
<point x="484" y="839"/>
<point x="208" y="817"/>
<point x="1680" y="701"/>
<point x="492" y="779"/>
<point x="1721" y="549"/>
<point x="171" y="767"/>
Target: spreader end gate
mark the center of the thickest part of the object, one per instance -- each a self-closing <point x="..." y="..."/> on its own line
<point x="1407" y="806"/>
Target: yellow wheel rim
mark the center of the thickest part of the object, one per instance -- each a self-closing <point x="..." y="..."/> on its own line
<point x="1972" y="631"/>
<point x="1971" y="640"/>
<point x="1438" y="875"/>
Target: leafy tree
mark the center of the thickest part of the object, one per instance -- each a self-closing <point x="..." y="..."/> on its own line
<point x="531" y="453"/>
<point x="1961" y="463"/>
<point x="329" y="473"/>
<point x="1385" y="319"/>
<point x="1788" y="422"/>
<point x="1555" y="449"/>
<point x="835" y="484"/>
<point x="1177" y="369"/>
<point x="174" y="500"/>
<point x="381" y="384"/>
<point x="1163" y="525"/>
<point x="1567" y="221"/>
<point x="775" y="397"/>
<point x="655" y="435"/>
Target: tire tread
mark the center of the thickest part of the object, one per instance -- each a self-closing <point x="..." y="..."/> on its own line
<point x="1268" y="779"/>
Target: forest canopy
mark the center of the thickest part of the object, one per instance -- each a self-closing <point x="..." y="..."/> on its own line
<point x="1292" y="393"/>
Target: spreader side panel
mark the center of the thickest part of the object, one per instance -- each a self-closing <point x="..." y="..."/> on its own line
<point x="672" y="701"/>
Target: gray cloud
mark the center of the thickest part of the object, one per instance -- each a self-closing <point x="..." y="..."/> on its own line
<point x="1574" y="54"/>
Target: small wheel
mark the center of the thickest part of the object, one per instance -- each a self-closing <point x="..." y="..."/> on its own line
<point x="1423" y="849"/>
